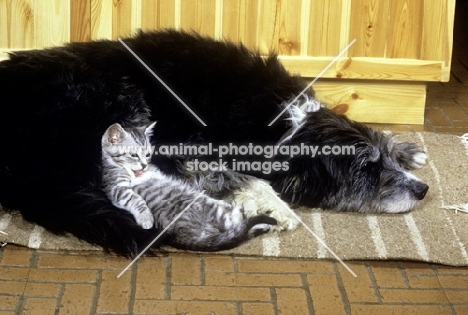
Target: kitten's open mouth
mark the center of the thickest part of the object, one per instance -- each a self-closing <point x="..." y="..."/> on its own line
<point x="138" y="173"/>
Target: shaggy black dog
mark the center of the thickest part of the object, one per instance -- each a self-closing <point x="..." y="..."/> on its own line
<point x="56" y="104"/>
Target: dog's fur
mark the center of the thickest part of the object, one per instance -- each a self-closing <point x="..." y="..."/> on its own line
<point x="56" y="104"/>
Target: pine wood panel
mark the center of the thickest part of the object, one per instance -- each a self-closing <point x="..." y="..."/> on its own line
<point x="16" y="24"/>
<point x="51" y="23"/>
<point x="374" y="101"/>
<point x="80" y="21"/>
<point x="289" y="30"/>
<point x="122" y="18"/>
<point x="157" y="14"/>
<point x="368" y="25"/>
<point x="326" y="22"/>
<point x="101" y="19"/>
<point x="366" y="68"/>
<point x="405" y="29"/>
<point x="198" y="15"/>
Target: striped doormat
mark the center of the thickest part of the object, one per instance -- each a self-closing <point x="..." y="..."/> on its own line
<point x="429" y="233"/>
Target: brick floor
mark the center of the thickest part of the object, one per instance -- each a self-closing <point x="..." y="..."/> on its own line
<point x="48" y="282"/>
<point x="87" y="283"/>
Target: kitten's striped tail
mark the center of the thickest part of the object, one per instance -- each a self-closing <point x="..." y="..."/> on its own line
<point x="231" y="238"/>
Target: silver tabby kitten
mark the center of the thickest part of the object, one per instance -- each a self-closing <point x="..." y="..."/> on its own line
<point x="131" y="183"/>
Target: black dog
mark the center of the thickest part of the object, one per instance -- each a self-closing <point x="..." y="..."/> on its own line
<point x="57" y="103"/>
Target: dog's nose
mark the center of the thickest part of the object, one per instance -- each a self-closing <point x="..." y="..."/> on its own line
<point x="420" y="190"/>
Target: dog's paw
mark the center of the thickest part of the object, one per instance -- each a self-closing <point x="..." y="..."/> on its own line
<point x="260" y="198"/>
<point x="409" y="155"/>
<point x="419" y="160"/>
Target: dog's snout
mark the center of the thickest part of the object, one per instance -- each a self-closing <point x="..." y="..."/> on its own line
<point x="420" y="190"/>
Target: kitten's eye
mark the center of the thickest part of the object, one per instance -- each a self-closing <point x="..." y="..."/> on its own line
<point x="134" y="155"/>
<point x="148" y="155"/>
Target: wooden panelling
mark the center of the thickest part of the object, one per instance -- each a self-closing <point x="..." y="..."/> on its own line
<point x="386" y="30"/>
<point x="122" y="18"/>
<point x="198" y="15"/>
<point x="374" y="101"/>
<point x="80" y="21"/>
<point x="157" y="14"/>
<point x="325" y="23"/>
<point x="51" y="23"/>
<point x="101" y="19"/>
<point x="366" y="68"/>
<point x="369" y="26"/>
<point x="405" y="29"/>
<point x="289" y="31"/>
<point x="16" y="24"/>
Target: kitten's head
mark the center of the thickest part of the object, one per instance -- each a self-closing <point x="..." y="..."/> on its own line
<point x="129" y="148"/>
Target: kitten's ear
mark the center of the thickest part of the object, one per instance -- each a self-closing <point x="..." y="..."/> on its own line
<point x="113" y="135"/>
<point x="149" y="130"/>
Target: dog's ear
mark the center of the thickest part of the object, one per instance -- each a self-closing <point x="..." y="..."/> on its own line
<point x="408" y="155"/>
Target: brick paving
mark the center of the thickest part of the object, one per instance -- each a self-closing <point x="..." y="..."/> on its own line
<point x="49" y="282"/>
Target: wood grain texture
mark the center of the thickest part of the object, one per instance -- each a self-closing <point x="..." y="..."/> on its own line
<point x="437" y="36"/>
<point x="405" y="29"/>
<point x="51" y="23"/>
<point x="366" y="68"/>
<point x="17" y="24"/>
<point x="232" y="28"/>
<point x="101" y="19"/>
<point x="122" y="18"/>
<point x="80" y="21"/>
<point x="326" y="25"/>
<point x="289" y="32"/>
<point x="374" y="102"/>
<point x="368" y="25"/>
<point x="198" y="15"/>
<point x="157" y="14"/>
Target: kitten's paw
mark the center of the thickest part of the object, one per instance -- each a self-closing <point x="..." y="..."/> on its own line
<point x="145" y="220"/>
<point x="260" y="198"/>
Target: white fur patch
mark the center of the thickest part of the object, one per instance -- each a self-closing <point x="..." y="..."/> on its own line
<point x="412" y="176"/>
<point x="419" y="160"/>
<point x="297" y="113"/>
<point x="257" y="199"/>
<point x="299" y="109"/>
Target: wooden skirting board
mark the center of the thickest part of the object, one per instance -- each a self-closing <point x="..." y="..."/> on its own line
<point x="372" y="101"/>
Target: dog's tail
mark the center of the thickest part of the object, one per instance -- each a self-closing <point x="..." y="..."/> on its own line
<point x="86" y="213"/>
<point x="211" y="240"/>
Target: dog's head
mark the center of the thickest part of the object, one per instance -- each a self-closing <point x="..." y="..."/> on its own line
<point x="354" y="168"/>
